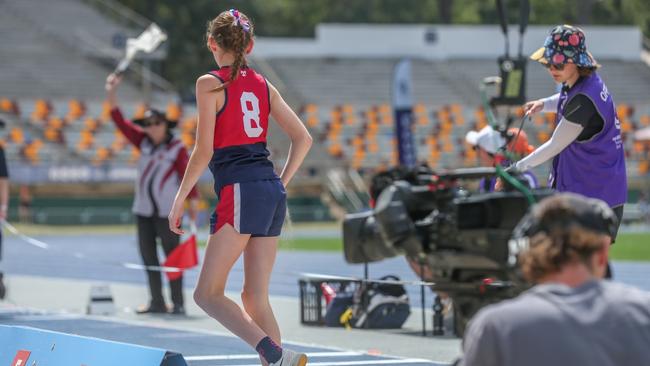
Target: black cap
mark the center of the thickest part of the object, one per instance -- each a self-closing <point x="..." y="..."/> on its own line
<point x="566" y="209"/>
<point x="154" y="114"/>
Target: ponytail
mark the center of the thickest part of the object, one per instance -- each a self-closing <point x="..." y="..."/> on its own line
<point x="233" y="32"/>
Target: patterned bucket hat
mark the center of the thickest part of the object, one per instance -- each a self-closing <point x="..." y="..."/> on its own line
<point x="565" y="45"/>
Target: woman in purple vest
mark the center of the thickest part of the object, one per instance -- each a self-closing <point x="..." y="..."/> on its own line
<point x="586" y="146"/>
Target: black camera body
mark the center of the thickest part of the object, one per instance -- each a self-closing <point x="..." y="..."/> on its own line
<point x="460" y="240"/>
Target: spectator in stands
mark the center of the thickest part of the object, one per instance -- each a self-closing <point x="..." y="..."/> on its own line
<point x="571" y="316"/>
<point x="586" y="146"/>
<point x="162" y="164"/>
<point x="4" y="203"/>
<point x="235" y="105"/>
<point x="493" y="147"/>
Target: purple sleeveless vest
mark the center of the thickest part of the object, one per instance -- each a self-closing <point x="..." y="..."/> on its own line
<point x="594" y="168"/>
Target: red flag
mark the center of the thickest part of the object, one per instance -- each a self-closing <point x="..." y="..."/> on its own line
<point x="184" y="256"/>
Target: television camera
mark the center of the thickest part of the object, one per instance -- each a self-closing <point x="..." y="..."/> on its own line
<point x="460" y="240"/>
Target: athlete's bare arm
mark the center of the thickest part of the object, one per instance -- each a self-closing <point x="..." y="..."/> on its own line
<point x="208" y="102"/>
<point x="292" y="125"/>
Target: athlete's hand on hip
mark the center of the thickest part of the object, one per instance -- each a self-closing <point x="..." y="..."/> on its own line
<point x="175" y="216"/>
<point x="533" y="107"/>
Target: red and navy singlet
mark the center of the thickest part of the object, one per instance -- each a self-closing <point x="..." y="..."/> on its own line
<point x="240" y="153"/>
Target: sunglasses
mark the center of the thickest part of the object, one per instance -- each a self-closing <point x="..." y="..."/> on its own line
<point x="558" y="67"/>
<point x="152" y="123"/>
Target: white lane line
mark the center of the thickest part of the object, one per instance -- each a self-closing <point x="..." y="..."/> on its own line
<point x="364" y="362"/>
<point x="256" y="356"/>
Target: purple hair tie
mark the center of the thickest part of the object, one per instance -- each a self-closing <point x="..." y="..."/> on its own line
<point x="239" y="21"/>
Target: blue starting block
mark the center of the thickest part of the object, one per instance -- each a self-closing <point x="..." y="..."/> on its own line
<point x="20" y="346"/>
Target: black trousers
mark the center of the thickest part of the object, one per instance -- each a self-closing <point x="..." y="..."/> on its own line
<point x="149" y="230"/>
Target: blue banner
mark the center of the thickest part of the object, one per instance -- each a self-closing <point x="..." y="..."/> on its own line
<point x="402" y="97"/>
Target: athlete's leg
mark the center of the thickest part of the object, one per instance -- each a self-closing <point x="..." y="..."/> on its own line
<point x="259" y="257"/>
<point x="224" y="247"/>
<point x="147" y="243"/>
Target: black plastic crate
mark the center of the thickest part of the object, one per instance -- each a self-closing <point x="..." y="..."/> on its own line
<point x="312" y="301"/>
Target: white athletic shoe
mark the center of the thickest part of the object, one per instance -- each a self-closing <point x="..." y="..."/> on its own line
<point x="291" y="358"/>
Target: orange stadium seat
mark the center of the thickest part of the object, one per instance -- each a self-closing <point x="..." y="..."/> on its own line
<point x="42" y="110"/>
<point x="9" y="106"/>
<point x="119" y="141"/>
<point x="135" y="155"/>
<point x="336" y="115"/>
<point x="644" y="167"/>
<point x="188" y="124"/>
<point x="372" y="128"/>
<point x="174" y="111"/>
<point x="32" y="151"/>
<point x="16" y="135"/>
<point x="312" y="120"/>
<point x="335" y="149"/>
<point x="86" y="140"/>
<point x="358" y="158"/>
<point x="550" y="118"/>
<point x="311" y="109"/>
<point x="638" y="147"/>
<point x="90" y="124"/>
<point x="140" y="109"/>
<point x="51" y="134"/>
<point x="55" y="123"/>
<point x="187" y="139"/>
<point x="371" y="115"/>
<point x="347" y="109"/>
<point x="543" y="136"/>
<point x="373" y="146"/>
<point x="102" y="154"/>
<point x="422" y="119"/>
<point x="106" y="112"/>
<point x="645" y="120"/>
<point x="76" y="110"/>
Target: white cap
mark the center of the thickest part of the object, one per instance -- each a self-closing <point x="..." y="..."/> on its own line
<point x="487" y="139"/>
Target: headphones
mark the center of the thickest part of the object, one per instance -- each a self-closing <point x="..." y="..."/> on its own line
<point x="589" y="213"/>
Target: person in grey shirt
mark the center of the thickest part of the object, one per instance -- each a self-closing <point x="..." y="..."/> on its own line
<point x="571" y="316"/>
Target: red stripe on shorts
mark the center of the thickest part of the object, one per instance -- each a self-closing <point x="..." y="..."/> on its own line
<point x="226" y="207"/>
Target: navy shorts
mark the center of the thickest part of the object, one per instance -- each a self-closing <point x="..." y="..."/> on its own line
<point x="257" y="208"/>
